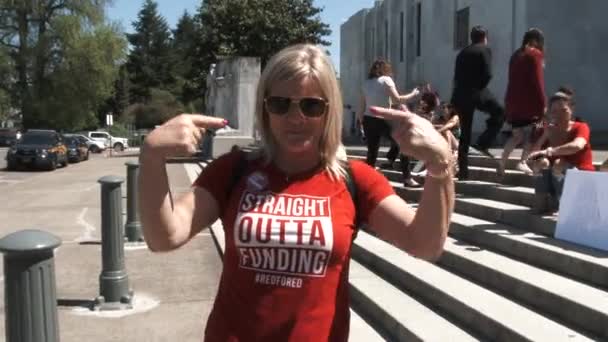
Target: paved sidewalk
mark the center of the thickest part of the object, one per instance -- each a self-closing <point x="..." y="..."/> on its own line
<point x="174" y="292"/>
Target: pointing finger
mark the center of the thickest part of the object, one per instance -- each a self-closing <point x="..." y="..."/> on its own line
<point x="204" y="121"/>
<point x="391" y="114"/>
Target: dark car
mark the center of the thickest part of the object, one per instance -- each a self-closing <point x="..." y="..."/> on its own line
<point x="38" y="149"/>
<point x="77" y="148"/>
<point x="8" y="136"/>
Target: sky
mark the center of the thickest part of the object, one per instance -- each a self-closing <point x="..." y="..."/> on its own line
<point x="335" y="13"/>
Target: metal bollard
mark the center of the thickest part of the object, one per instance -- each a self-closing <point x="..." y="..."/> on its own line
<point x="30" y="295"/>
<point x="133" y="225"/>
<point x="113" y="280"/>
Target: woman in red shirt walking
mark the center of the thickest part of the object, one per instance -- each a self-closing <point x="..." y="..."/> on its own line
<point x="525" y="101"/>
<point x="568" y="146"/>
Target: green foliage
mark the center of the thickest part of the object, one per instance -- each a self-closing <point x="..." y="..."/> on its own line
<point x="259" y="27"/>
<point x="85" y="79"/>
<point x="253" y="28"/>
<point x="118" y="130"/>
<point x="161" y="106"/>
<point x="184" y="48"/>
<point x="63" y="60"/>
<point x="149" y="62"/>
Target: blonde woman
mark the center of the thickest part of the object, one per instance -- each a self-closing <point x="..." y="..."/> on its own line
<point x="289" y="220"/>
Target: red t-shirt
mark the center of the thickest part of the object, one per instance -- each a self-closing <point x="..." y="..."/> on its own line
<point x="525" y="98"/>
<point x="288" y="245"/>
<point x="583" y="159"/>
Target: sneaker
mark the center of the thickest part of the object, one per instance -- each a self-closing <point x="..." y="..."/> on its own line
<point x="523" y="167"/>
<point x="410" y="183"/>
<point x="419" y="174"/>
<point x="484" y="151"/>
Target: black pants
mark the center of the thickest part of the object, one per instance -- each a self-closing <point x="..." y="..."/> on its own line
<point x="465" y="103"/>
<point x="375" y="129"/>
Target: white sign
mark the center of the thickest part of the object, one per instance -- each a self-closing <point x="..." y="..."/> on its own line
<point x="109" y="119"/>
<point x="583" y="209"/>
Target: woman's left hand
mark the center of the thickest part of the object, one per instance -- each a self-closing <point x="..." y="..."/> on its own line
<point x="416" y="136"/>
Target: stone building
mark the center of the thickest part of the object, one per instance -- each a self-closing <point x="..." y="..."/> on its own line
<point x="421" y="39"/>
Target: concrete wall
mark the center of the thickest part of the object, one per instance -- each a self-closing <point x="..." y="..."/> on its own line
<point x="353" y="62"/>
<point x="575" y="31"/>
<point x="236" y="81"/>
<point x="436" y="63"/>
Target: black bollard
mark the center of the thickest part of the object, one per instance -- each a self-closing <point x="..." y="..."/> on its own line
<point x="133" y="225"/>
<point x="113" y="280"/>
<point x="30" y="295"/>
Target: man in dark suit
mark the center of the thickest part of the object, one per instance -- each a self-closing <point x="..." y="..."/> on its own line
<point x="472" y="74"/>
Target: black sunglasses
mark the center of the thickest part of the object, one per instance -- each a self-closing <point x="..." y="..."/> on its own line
<point x="309" y="106"/>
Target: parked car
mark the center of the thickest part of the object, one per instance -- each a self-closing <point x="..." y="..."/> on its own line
<point x="118" y="144"/>
<point x="77" y="148"/>
<point x="94" y="146"/>
<point x="39" y="149"/>
<point x="9" y="136"/>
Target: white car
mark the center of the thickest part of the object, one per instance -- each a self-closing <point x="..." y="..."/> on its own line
<point x="118" y="144"/>
<point x="93" y="145"/>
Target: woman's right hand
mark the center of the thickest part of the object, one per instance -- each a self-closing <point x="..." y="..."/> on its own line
<point x="179" y="136"/>
<point x="416" y="136"/>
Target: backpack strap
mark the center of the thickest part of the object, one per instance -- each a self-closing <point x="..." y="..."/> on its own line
<point x="351" y="186"/>
<point x="239" y="168"/>
<point x="237" y="171"/>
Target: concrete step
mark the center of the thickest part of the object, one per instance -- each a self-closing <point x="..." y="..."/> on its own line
<point x="498" y="192"/>
<point x="475" y="160"/>
<point x="396" y="314"/>
<point x="511" y="177"/>
<point x="482" y="161"/>
<point x="360" y="331"/>
<point x="584" y="264"/>
<point x="480" y="310"/>
<point x="580" y="306"/>
<point x="490" y="210"/>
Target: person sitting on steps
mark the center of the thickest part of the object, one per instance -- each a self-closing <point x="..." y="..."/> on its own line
<point x="448" y="125"/>
<point x="565" y="144"/>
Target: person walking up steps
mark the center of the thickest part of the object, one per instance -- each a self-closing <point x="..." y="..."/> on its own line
<point x="525" y="101"/>
<point x="472" y="74"/>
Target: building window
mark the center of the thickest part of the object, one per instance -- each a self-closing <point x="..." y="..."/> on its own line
<point x="461" y="29"/>
<point x="386" y="39"/>
<point x="419" y="29"/>
<point x="401" y="43"/>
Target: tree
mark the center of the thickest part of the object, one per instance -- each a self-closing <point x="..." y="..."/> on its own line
<point x="63" y="59"/>
<point x="254" y="28"/>
<point x="120" y="99"/>
<point x="160" y="107"/>
<point x="149" y="62"/>
<point x="184" y="44"/>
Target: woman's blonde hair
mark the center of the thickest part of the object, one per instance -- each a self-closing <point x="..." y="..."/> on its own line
<point x="297" y="62"/>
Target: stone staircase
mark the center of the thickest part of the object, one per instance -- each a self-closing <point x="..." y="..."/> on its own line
<point x="502" y="276"/>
